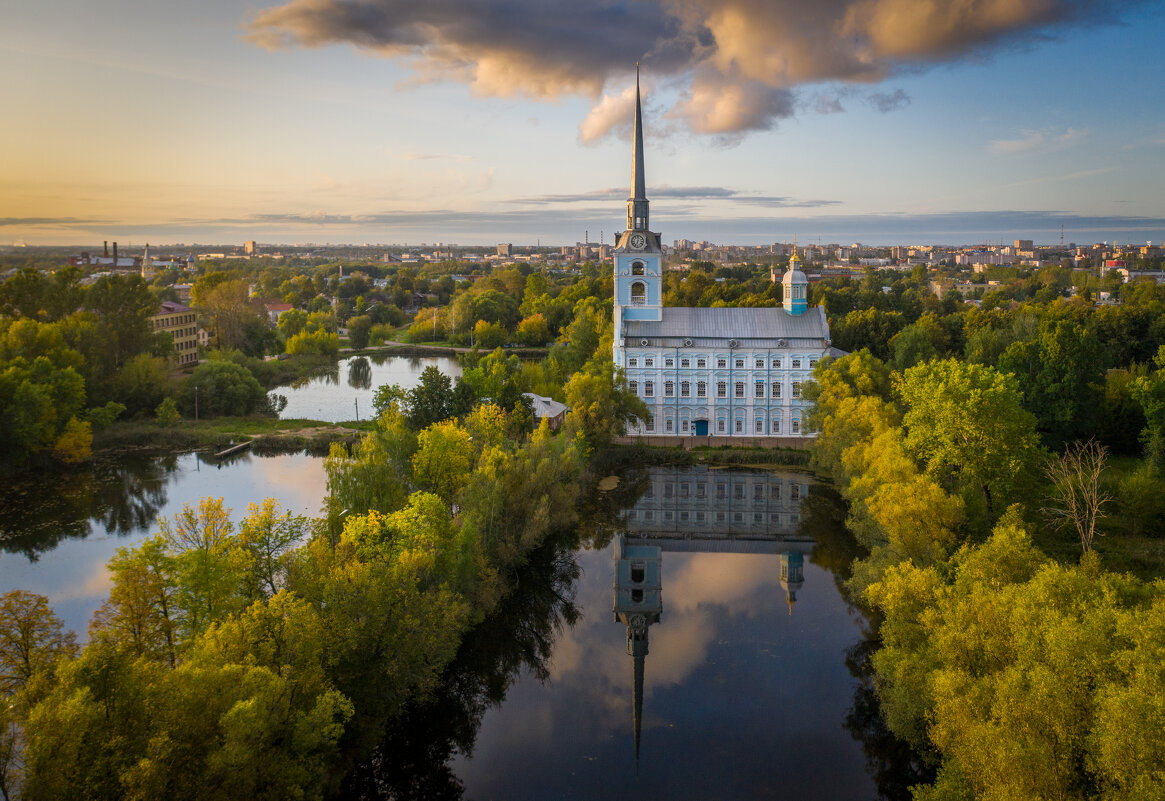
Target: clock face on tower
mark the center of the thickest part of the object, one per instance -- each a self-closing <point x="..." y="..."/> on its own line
<point x="638" y="241"/>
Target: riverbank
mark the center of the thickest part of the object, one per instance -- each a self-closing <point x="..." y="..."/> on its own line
<point x="395" y="348"/>
<point x="266" y="434"/>
<point x="637" y="454"/>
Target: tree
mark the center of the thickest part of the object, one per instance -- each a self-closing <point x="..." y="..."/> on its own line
<point x="319" y="343"/>
<point x="1077" y="498"/>
<point x="201" y="541"/>
<point x="75" y="444"/>
<point x="124" y="305"/>
<point x="966" y="424"/>
<point x="444" y="458"/>
<point x="430" y="400"/>
<point x="488" y="336"/>
<point x="291" y="322"/>
<point x="142" y="611"/>
<point x="601" y="407"/>
<point x="32" y="639"/>
<point x="265" y="538"/>
<point x="358" y="331"/>
<point x="222" y="388"/>
<point x="533" y="330"/>
<point x="167" y="413"/>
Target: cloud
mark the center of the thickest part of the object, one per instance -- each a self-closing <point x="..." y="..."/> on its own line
<point x="681" y="193"/>
<point x="737" y="63"/>
<point x="42" y="222"/>
<point x="886" y="102"/>
<point x="1035" y="140"/>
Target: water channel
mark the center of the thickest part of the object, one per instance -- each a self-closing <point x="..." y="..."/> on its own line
<point x="347" y="390"/>
<point x="694" y="645"/>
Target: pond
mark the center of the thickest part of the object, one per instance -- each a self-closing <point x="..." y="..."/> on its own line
<point x="346" y="390"/>
<point x="701" y="650"/>
<point x="55" y="538"/>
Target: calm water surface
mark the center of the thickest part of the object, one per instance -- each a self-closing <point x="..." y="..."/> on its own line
<point x="56" y="539"/>
<point x="723" y="674"/>
<point x="339" y="394"/>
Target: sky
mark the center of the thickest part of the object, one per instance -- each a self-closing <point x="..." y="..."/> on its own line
<point x="470" y="122"/>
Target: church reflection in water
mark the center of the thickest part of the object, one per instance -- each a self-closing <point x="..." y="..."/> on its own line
<point x="701" y="510"/>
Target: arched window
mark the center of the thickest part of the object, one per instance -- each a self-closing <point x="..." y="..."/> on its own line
<point x="637" y="268"/>
<point x="638" y="294"/>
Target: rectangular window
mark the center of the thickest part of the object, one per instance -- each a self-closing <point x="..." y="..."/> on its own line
<point x="633" y="387"/>
<point x="738" y="492"/>
<point x="796" y="389"/>
<point x="669" y="389"/>
<point x="701" y="490"/>
<point x="632" y="362"/>
<point x="668" y="489"/>
<point x="685" y="362"/>
<point x="740" y="363"/>
<point x="760" y="389"/>
<point x="739" y="426"/>
<point x="668" y="425"/>
<point x="720" y="426"/>
<point x="796" y="426"/>
<point x="740" y="389"/>
<point x="721" y="389"/>
<point x="796" y="364"/>
<point x="720" y="518"/>
<point x="650" y="426"/>
<point x="760" y="364"/>
<point x="649" y="362"/>
<point x="685" y="389"/>
<point x="812" y="362"/>
<point x="669" y="362"/>
<point x="795" y="492"/>
<point x="776" y="364"/>
<point x="684" y="428"/>
<point x="649" y="389"/>
<point x="760" y="426"/>
<point x="699" y="517"/>
<point x="775" y="492"/>
<point x="776" y="426"/>
<point x="776" y="390"/>
<point x="721" y="492"/>
<point x="721" y="363"/>
<point x="701" y="362"/>
<point x="701" y="389"/>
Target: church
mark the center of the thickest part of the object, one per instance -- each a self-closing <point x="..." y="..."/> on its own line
<point x="722" y="372"/>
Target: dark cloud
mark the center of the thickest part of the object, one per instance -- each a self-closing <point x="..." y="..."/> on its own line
<point x="737" y="62"/>
<point x="681" y="193"/>
<point x="49" y="222"/>
<point x="886" y="102"/>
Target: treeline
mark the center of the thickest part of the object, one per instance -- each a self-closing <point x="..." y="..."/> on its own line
<point x="1013" y="675"/>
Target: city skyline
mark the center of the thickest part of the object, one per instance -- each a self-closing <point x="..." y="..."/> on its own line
<point x="306" y="122"/>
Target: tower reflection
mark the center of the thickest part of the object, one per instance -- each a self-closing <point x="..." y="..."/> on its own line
<point x="701" y="510"/>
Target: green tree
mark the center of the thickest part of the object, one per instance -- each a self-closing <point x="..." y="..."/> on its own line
<point x="444" y="458"/>
<point x="966" y="424"/>
<point x="124" y="306"/>
<point x="358" y="331"/>
<point x="265" y="539"/>
<point x="222" y="388"/>
<point x="601" y="407"/>
<point x="167" y="413"/>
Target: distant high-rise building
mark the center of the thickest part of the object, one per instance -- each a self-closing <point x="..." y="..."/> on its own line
<point x="249" y="247"/>
<point x="1023" y="244"/>
<point x="505" y="249"/>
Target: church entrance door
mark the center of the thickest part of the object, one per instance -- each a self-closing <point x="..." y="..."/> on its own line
<point x="701" y="428"/>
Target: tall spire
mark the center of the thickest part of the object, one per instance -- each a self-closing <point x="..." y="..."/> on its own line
<point x="637" y="204"/>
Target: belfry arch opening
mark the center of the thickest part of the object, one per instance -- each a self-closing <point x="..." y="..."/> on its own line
<point x="637" y="268"/>
<point x="639" y="294"/>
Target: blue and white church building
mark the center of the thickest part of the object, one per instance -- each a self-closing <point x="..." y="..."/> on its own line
<point x="708" y="371"/>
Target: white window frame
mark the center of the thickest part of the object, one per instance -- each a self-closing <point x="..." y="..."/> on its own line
<point x="739" y="389"/>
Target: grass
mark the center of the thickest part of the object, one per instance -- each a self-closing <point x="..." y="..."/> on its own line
<point x="220" y="432"/>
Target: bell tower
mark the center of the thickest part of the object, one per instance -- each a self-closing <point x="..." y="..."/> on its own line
<point x="638" y="255"/>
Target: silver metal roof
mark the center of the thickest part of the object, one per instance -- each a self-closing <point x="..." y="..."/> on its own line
<point x="745" y="325"/>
